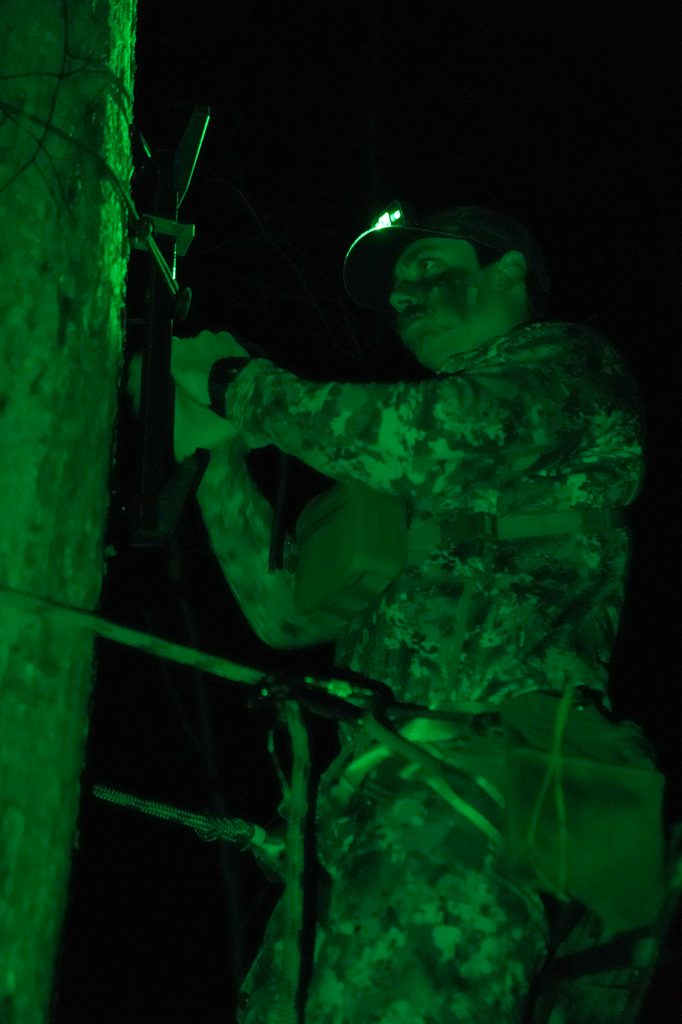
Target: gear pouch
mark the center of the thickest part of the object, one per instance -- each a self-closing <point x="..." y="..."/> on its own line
<point x="585" y="822"/>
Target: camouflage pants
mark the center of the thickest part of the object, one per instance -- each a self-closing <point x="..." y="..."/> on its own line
<point x="423" y="925"/>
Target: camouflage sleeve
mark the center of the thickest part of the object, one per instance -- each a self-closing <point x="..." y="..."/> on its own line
<point x="440" y="435"/>
<point x="239" y="520"/>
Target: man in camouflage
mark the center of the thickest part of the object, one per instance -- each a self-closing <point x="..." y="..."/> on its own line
<point x="423" y="921"/>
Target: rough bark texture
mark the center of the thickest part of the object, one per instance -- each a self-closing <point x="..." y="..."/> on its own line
<point x="62" y="266"/>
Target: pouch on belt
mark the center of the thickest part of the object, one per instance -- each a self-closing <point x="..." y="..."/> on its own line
<point x="585" y="822"/>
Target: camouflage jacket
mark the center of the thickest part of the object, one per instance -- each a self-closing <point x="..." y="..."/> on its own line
<point x="544" y="418"/>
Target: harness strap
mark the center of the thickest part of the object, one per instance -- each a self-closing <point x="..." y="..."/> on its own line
<point x="485" y="806"/>
<point x="424" y="536"/>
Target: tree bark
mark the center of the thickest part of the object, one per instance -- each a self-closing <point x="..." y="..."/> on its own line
<point x="65" y="96"/>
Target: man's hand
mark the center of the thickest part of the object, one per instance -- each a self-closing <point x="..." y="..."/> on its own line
<point x="194" y="426"/>
<point x="192" y="359"/>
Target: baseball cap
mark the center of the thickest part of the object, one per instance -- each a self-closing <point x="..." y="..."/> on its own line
<point x="369" y="263"/>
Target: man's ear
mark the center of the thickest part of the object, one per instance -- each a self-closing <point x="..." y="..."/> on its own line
<point x="511" y="269"/>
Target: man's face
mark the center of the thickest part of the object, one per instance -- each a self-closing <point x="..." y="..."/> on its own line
<point x="445" y="304"/>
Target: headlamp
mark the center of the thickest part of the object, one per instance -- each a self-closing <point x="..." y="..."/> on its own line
<point x="370" y="261"/>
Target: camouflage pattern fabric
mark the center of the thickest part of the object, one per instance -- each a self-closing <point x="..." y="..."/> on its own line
<point x="423" y="926"/>
<point x="424" y="922"/>
<point x="544" y="418"/>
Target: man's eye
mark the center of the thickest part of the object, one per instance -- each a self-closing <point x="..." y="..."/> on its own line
<point x="426" y="259"/>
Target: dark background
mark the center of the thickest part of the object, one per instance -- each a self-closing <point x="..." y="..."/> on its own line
<point x="565" y="115"/>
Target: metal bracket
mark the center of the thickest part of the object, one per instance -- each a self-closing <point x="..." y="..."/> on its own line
<point x="162" y="487"/>
<point x="182" y="234"/>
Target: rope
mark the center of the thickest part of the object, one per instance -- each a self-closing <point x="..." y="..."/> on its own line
<point x="554" y="770"/>
<point x="288" y="1008"/>
<point x="207" y="827"/>
<point x="267" y="848"/>
<point x="80" y="618"/>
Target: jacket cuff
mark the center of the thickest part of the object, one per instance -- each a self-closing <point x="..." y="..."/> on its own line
<point x="221" y="376"/>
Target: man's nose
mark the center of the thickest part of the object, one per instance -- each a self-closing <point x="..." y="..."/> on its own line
<point x="404" y="298"/>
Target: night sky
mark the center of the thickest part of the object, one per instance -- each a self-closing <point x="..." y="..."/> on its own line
<point x="563" y="115"/>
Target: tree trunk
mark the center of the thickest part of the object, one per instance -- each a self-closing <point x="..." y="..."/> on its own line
<point x="67" y="67"/>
